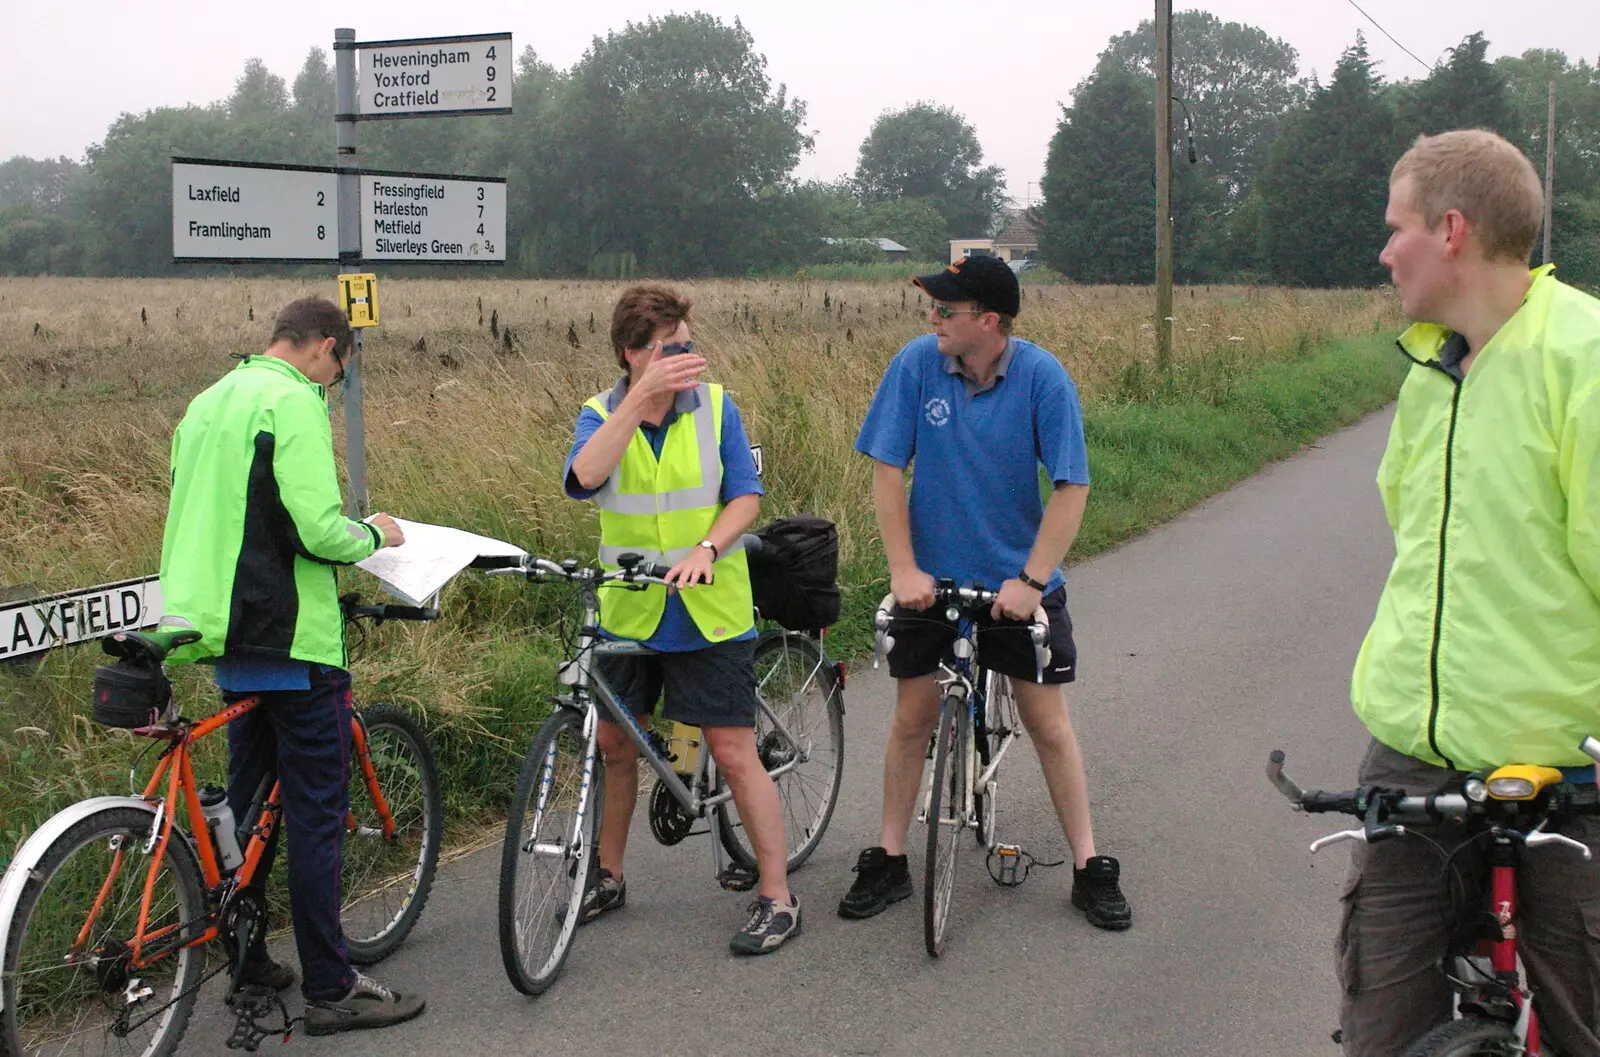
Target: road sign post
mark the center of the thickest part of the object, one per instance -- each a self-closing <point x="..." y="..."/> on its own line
<point x="239" y="211"/>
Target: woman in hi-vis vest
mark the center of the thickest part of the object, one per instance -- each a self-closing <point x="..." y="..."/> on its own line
<point x="665" y="458"/>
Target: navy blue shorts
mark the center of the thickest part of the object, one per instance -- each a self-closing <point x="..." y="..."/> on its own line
<point x="711" y="687"/>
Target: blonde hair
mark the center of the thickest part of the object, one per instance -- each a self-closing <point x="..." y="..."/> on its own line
<point x="1492" y="183"/>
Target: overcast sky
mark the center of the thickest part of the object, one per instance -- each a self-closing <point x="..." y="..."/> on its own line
<point x="68" y="69"/>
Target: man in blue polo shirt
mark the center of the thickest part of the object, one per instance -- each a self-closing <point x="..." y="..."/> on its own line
<point x="975" y="412"/>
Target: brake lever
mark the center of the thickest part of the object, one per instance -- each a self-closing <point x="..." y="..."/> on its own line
<point x="1537" y="837"/>
<point x="1367" y="834"/>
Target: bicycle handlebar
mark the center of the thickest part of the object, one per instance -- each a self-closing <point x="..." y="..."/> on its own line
<point x="354" y="610"/>
<point x="1387" y="812"/>
<point x="954" y="600"/>
<point x="634" y="569"/>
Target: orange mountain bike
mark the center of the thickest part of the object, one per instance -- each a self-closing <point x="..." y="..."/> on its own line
<point x="107" y="910"/>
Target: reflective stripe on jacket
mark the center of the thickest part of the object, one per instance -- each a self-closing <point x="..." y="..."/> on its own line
<point x="256" y="524"/>
<point x="662" y="509"/>
<point x="1485" y="649"/>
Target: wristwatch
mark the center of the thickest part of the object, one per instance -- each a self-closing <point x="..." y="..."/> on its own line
<point x="712" y="547"/>
<point x="1030" y="581"/>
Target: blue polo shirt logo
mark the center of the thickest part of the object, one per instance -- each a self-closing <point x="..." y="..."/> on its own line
<point x="938" y="410"/>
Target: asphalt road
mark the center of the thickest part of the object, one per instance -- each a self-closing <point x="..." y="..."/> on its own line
<point x="1203" y="646"/>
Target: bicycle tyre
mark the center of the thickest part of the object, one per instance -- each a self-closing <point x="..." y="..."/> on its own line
<point x="384" y="883"/>
<point x="1468" y="1037"/>
<point x="947" y="810"/>
<point x="534" y="948"/>
<point x="999" y="714"/>
<point x="803" y="689"/>
<point x="70" y="865"/>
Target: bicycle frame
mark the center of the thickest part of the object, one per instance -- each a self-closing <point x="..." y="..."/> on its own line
<point x="590" y="686"/>
<point x="1503" y="950"/>
<point x="175" y="769"/>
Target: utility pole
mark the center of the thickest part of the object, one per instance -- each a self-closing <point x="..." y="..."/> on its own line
<point x="344" y="138"/>
<point x="1164" y="186"/>
<point x="1549" y="171"/>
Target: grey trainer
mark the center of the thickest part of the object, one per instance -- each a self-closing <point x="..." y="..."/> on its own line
<point x="368" y="1005"/>
<point x="771" y="925"/>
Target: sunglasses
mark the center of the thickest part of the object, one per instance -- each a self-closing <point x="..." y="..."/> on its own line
<point x="944" y="311"/>
<point x="676" y="349"/>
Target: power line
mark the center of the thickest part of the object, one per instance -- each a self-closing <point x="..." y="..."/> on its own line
<point x="1386" y="33"/>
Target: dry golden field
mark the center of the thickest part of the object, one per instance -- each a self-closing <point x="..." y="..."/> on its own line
<point x="473" y="385"/>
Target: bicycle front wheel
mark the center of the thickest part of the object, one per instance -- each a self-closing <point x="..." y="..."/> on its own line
<point x="802" y="688"/>
<point x="947" y="817"/>
<point x="392" y="834"/>
<point x="1468" y="1037"/>
<point x="551" y="838"/>
<point x="997" y="722"/>
<point x="71" y="982"/>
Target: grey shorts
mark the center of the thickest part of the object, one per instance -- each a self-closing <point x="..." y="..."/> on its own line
<point x="713" y="687"/>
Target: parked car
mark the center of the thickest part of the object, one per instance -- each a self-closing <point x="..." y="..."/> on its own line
<point x="1020" y="266"/>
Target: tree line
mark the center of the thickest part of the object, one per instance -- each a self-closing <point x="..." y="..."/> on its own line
<point x="1290" y="176"/>
<point x="667" y="149"/>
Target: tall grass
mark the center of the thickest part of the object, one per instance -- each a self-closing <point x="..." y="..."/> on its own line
<point x="472" y="390"/>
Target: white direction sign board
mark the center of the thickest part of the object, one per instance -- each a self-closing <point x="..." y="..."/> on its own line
<point x="235" y="211"/>
<point x="434" y="76"/>
<point x="421" y="219"/>
<point x="40" y="624"/>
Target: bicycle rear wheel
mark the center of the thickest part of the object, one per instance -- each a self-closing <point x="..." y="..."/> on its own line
<point x="1468" y="1037"/>
<point x="68" y="998"/>
<point x="947" y="817"/>
<point x="388" y="871"/>
<point x="996" y="722"/>
<point x="551" y="838"/>
<point x="802" y="688"/>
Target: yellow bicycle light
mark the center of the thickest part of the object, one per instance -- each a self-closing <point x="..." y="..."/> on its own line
<point x="1522" y="782"/>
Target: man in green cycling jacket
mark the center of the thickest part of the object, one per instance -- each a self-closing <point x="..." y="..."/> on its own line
<point x="1485" y="649"/>
<point x="254" y="532"/>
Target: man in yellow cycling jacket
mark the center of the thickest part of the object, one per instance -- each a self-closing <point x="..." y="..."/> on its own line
<point x="1485" y="649"/>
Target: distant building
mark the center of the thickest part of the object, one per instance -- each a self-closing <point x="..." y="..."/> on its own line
<point x="892" y="250"/>
<point x="1018" y="240"/>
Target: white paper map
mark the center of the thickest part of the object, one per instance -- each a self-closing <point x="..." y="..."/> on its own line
<point x="429" y="558"/>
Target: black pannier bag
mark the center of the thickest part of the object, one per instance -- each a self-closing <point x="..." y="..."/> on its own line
<point x="794" y="572"/>
<point x="130" y="695"/>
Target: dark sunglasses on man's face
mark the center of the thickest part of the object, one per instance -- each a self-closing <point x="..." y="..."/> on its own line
<point x="677" y="349"/>
<point x="944" y="311"/>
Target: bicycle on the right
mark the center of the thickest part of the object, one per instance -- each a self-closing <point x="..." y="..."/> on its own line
<point x="1509" y="808"/>
<point x="978" y="721"/>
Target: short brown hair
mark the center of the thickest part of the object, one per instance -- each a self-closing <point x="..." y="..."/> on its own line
<point x="1491" y="182"/>
<point x="640" y="312"/>
<point x="311" y="319"/>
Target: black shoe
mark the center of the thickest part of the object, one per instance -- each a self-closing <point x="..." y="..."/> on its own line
<point x="1095" y="892"/>
<point x="604" y="893"/>
<point x="881" y="879"/>
<point x="264" y="972"/>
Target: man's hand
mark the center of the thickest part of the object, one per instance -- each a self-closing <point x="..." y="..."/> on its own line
<point x="392" y="536"/>
<point x="1017" y="601"/>
<point x="668" y="374"/>
<point x="912" y="589"/>
<point x="695" y="569"/>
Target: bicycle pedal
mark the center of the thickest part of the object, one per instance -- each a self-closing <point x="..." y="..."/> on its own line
<point x="738" y="878"/>
<point x="1010" y="856"/>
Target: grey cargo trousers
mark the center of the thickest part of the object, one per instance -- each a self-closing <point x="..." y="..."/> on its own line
<point x="1394" y="931"/>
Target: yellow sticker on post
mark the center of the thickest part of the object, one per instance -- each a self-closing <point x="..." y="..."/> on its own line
<point x="358" y="296"/>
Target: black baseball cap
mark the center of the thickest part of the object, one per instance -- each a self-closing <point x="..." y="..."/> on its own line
<point x="987" y="280"/>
